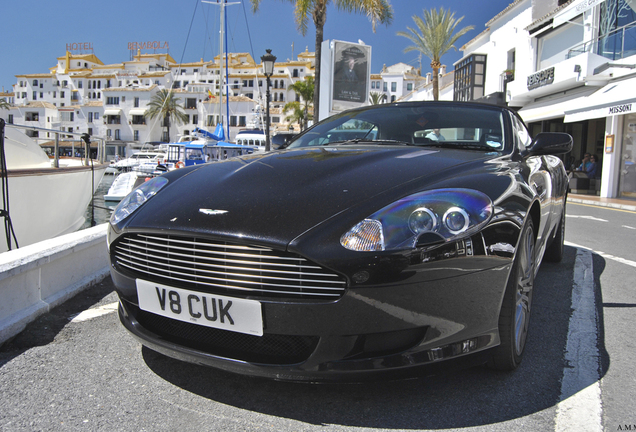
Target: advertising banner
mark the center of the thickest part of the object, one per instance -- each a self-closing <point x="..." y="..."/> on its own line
<point x="351" y="74"/>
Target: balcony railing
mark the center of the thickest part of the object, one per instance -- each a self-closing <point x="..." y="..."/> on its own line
<point x="615" y="45"/>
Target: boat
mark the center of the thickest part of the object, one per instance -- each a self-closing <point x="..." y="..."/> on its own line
<point x="40" y="201"/>
<point x="123" y="184"/>
<point x="141" y="158"/>
<point x="254" y="138"/>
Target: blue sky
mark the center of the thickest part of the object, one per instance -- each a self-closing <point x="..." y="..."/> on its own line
<point x="35" y="32"/>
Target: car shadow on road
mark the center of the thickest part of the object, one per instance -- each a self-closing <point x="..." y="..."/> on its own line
<point x="448" y="399"/>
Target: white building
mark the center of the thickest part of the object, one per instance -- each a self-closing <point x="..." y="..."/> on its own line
<point x="81" y="94"/>
<point x="567" y="66"/>
<point x="396" y="81"/>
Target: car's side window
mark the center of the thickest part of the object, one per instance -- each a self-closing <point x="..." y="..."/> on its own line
<point x="522" y="137"/>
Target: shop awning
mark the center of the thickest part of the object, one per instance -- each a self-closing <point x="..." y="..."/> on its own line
<point x="137" y="111"/>
<point x="556" y="107"/>
<point x="112" y="112"/>
<point x="614" y="99"/>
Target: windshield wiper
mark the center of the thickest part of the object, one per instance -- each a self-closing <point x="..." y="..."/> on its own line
<point x="366" y="141"/>
<point x="444" y="144"/>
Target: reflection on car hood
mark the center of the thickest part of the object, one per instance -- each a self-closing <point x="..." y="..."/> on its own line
<point x="275" y="197"/>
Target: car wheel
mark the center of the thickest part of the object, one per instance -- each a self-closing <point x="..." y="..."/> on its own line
<point x="554" y="252"/>
<point x="514" y="317"/>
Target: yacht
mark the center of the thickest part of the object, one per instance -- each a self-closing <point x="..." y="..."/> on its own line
<point x="40" y="201"/>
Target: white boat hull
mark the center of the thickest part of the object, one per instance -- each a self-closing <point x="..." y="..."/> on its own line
<point x="123" y="184"/>
<point x="46" y="203"/>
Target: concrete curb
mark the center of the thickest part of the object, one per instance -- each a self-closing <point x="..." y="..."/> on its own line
<point x="615" y="204"/>
<point x="36" y="278"/>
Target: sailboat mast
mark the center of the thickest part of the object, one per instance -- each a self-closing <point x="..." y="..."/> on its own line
<point x="222" y="31"/>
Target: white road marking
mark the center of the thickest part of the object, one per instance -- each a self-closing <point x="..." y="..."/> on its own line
<point x="95" y="312"/>
<point x="586" y="217"/>
<point x="580" y="406"/>
<point x="628" y="227"/>
<point x="605" y="255"/>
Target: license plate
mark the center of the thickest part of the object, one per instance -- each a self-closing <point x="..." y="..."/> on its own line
<point x="227" y="313"/>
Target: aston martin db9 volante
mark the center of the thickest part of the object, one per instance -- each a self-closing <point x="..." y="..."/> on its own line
<point x="382" y="239"/>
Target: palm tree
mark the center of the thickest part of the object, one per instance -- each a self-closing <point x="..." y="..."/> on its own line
<point x="378" y="11"/>
<point x="298" y="114"/>
<point x="434" y="37"/>
<point x="4" y="104"/>
<point x="377" y="98"/>
<point x="166" y="106"/>
<point x="304" y="89"/>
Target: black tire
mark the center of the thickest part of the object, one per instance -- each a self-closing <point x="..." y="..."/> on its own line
<point x="514" y="317"/>
<point x="554" y="252"/>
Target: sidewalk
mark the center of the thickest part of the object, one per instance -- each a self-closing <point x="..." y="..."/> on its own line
<point x="622" y="204"/>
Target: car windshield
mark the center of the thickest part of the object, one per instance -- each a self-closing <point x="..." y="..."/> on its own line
<point x="426" y="125"/>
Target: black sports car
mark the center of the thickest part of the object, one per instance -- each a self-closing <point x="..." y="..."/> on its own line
<point x="381" y="239"/>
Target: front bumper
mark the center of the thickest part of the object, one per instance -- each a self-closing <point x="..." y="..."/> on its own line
<point x="379" y="330"/>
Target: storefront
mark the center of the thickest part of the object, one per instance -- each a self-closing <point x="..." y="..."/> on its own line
<point x="615" y="103"/>
<point x="547" y="114"/>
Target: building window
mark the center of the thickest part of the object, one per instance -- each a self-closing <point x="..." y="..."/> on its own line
<point x="67" y="116"/>
<point x="35" y="95"/>
<point x="35" y="83"/>
<point x="385" y="86"/>
<point x="117" y="134"/>
<point x="136" y="102"/>
<point x="80" y="84"/>
<point x="510" y="66"/>
<point x="32" y="116"/>
<point x="554" y="46"/>
<point x="409" y="87"/>
<point x="470" y="78"/>
<point x="393" y="87"/>
<point x="112" y="100"/>
<point x="62" y="95"/>
<point x="616" y="32"/>
<point x="136" y="135"/>
<point x="90" y="117"/>
<point x="10" y="118"/>
<point x="96" y="116"/>
<point x="191" y="103"/>
<point x="232" y="120"/>
<point x="195" y="119"/>
<point x="138" y="120"/>
<point x="241" y="121"/>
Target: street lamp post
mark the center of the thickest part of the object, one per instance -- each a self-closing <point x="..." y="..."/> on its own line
<point x="268" y="61"/>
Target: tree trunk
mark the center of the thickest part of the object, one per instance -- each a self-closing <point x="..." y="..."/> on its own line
<point x="435" y="65"/>
<point x="167" y="120"/>
<point x="320" y="16"/>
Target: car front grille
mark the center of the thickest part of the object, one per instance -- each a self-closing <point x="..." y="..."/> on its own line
<point x="224" y="268"/>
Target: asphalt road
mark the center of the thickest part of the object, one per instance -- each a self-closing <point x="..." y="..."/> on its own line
<point x="87" y="373"/>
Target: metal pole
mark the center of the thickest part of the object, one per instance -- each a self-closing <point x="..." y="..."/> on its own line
<point x="56" y="160"/>
<point x="267" y="143"/>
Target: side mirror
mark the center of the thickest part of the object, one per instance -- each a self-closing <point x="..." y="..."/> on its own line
<point x="549" y="143"/>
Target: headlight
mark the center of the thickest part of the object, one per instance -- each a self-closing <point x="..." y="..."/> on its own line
<point x="438" y="216"/>
<point x="136" y="198"/>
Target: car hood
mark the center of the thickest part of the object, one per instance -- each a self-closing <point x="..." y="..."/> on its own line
<point x="275" y="197"/>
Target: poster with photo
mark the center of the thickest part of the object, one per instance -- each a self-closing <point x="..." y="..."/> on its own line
<point x="350" y="75"/>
